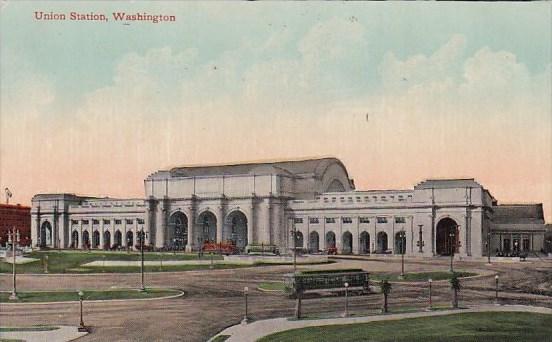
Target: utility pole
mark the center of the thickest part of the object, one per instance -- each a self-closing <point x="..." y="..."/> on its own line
<point x="14" y="239"/>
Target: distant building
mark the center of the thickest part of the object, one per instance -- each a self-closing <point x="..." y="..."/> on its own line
<point x="254" y="204"/>
<point x="17" y="216"/>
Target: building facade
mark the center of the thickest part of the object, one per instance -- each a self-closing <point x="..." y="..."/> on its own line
<point x="15" y="216"/>
<point x="266" y="204"/>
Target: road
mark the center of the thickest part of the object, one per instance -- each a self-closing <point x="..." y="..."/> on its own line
<point x="214" y="298"/>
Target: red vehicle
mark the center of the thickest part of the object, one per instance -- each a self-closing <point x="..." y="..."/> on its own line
<point x="331" y="251"/>
<point x="225" y="247"/>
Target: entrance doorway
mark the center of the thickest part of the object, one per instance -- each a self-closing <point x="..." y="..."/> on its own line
<point x="447" y="236"/>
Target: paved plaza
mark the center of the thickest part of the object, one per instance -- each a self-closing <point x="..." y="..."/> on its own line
<point x="214" y="301"/>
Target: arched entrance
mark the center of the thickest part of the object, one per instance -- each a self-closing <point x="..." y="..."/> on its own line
<point x="45" y="234"/>
<point x="347" y="243"/>
<point x="117" y="239"/>
<point x="382" y="242"/>
<point x="235" y="229"/>
<point x="299" y="240"/>
<point x="107" y="240"/>
<point x="130" y="239"/>
<point x="177" y="234"/>
<point x="85" y="239"/>
<point x="95" y="239"/>
<point x="314" y="242"/>
<point x="75" y="239"/>
<point x="400" y="242"/>
<point x="364" y="243"/>
<point x="330" y="240"/>
<point x="207" y="224"/>
<point x="447" y="236"/>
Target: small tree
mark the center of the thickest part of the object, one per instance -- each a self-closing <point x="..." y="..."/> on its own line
<point x="385" y="289"/>
<point x="455" y="286"/>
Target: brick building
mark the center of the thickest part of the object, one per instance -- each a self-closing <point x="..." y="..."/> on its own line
<point x="18" y="216"/>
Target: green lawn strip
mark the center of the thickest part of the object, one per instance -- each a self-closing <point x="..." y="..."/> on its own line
<point x="418" y="276"/>
<point x="480" y="326"/>
<point x="71" y="261"/>
<point x="345" y="270"/>
<point x="10" y="340"/>
<point x="64" y="296"/>
<point x="272" y="286"/>
<point x="370" y="312"/>
<point x="221" y="338"/>
<point x="24" y="329"/>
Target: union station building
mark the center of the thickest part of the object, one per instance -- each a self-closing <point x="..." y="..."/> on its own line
<point x="266" y="204"/>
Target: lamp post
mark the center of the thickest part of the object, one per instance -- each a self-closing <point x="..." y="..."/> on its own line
<point x="14" y="239"/>
<point x="82" y="327"/>
<point x="245" y="319"/>
<point x="142" y="237"/>
<point x="430" y="303"/>
<point x="346" y="313"/>
<point x="402" y="236"/>
<point x="496" y="289"/>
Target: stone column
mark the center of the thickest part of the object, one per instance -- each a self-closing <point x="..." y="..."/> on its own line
<point x="391" y="238"/>
<point x="275" y="232"/>
<point x="191" y="213"/>
<point x="220" y="221"/>
<point x="135" y="232"/>
<point x="374" y="239"/>
<point x="356" y="237"/>
<point x="251" y="224"/>
<point x="34" y="229"/>
<point x="339" y="236"/>
<point x="101" y="233"/>
<point x="124" y="233"/>
<point x="79" y="246"/>
<point x="62" y="233"/>
<point x="160" y="224"/>
<point x="323" y="237"/>
<point x="267" y="238"/>
<point x="149" y="221"/>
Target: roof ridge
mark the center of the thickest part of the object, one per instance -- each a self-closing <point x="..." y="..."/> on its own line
<point x="252" y="162"/>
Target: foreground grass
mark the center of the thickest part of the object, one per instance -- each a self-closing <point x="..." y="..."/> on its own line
<point x="481" y="326"/>
<point x="64" y="296"/>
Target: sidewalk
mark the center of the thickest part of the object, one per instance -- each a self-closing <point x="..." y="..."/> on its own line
<point x="253" y="331"/>
<point x="63" y="334"/>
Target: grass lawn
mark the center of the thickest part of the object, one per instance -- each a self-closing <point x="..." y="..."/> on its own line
<point x="421" y="276"/>
<point x="275" y="286"/>
<point x="64" y="296"/>
<point x="481" y="326"/>
<point x="71" y="261"/>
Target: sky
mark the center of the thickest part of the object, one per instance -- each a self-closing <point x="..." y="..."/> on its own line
<point x="400" y="92"/>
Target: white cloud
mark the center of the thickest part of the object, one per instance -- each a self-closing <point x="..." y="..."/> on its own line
<point x="440" y="66"/>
